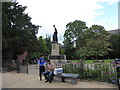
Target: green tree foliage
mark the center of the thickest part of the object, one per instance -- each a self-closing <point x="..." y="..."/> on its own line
<point x="43" y="49"/>
<point x="74" y="33"/>
<point x="96" y="42"/>
<point x="18" y="33"/>
<point x="93" y="41"/>
<point x="115" y="40"/>
<point x="69" y="48"/>
<point x="62" y="50"/>
<point x="48" y="44"/>
<point x="75" y="30"/>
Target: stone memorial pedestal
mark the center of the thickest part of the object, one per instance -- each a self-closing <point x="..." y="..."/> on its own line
<point x="55" y="57"/>
<point x="55" y="49"/>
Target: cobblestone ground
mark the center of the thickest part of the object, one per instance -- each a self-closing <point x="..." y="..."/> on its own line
<point x="22" y="80"/>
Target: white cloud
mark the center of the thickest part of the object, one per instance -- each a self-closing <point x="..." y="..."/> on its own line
<point x="60" y="12"/>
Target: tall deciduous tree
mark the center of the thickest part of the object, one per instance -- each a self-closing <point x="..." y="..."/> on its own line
<point x="96" y="42"/>
<point x="93" y="41"/>
<point x="74" y="36"/>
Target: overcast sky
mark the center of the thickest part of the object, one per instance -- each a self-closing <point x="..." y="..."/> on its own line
<point x="60" y="12"/>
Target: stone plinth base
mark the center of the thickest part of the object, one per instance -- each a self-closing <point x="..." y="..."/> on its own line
<point x="58" y="63"/>
<point x="55" y="57"/>
<point x="58" y="60"/>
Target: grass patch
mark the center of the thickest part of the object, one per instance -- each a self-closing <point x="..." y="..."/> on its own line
<point x="89" y="61"/>
<point x="92" y="61"/>
<point x="105" y="60"/>
<point x="74" y="61"/>
<point x="108" y="60"/>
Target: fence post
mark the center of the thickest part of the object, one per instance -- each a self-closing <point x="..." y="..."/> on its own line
<point x="99" y="73"/>
<point x="18" y="66"/>
<point x="81" y="68"/>
<point x="118" y="76"/>
<point x="27" y="66"/>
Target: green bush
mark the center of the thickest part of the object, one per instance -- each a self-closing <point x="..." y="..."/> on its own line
<point x="8" y="66"/>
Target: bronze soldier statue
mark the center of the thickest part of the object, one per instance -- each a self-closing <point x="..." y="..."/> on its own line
<point x="55" y="39"/>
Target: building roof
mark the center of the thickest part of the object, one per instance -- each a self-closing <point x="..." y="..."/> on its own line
<point x="116" y="31"/>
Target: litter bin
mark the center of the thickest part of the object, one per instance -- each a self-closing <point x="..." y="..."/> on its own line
<point x="118" y="75"/>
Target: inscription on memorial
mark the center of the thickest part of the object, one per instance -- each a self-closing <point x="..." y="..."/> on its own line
<point x="57" y="57"/>
<point x="54" y="46"/>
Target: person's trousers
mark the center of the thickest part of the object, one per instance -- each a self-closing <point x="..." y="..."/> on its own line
<point x="41" y="70"/>
<point x="48" y="75"/>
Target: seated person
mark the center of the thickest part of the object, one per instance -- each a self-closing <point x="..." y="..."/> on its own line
<point x="49" y="72"/>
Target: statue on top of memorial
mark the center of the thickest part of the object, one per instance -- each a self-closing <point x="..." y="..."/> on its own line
<point x="55" y="38"/>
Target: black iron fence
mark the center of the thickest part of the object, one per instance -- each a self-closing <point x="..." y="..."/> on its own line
<point x="98" y="72"/>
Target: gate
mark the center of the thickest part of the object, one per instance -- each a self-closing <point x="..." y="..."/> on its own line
<point x="22" y="66"/>
<point x="25" y="67"/>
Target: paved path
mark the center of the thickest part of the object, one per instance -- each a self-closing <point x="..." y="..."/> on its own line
<point x="33" y="69"/>
<point x="21" y="80"/>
